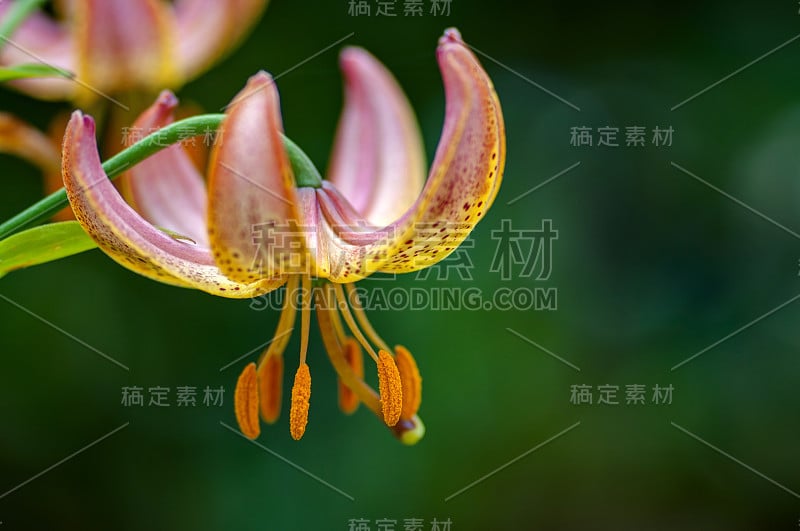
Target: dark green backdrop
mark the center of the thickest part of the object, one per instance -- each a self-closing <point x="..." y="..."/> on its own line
<point x="652" y="265"/>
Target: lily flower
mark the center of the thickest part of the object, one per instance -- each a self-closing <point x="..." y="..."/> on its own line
<point x="256" y="227"/>
<point x="125" y="45"/>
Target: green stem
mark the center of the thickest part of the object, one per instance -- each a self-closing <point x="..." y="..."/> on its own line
<point x="16" y="14"/>
<point x="305" y="172"/>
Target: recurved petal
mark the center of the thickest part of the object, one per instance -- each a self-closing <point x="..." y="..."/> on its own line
<point x="252" y="200"/>
<point x="40" y="39"/>
<point x="468" y="167"/>
<point x="125" y="236"/>
<point x="123" y="44"/>
<point x="208" y="29"/>
<point x="462" y="184"/>
<point x="166" y="188"/>
<point x="378" y="158"/>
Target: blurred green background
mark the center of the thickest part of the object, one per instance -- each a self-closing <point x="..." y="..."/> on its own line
<point x="651" y="267"/>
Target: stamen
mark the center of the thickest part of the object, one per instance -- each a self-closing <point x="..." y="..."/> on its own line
<point x="286" y="321"/>
<point x="390" y="388"/>
<point x="270" y="387"/>
<point x="301" y="394"/>
<point x="341" y="303"/>
<point x="270" y="364"/>
<point x="326" y="313"/>
<point x="338" y="326"/>
<point x="348" y="401"/>
<point x="407" y="431"/>
<point x="410" y="381"/>
<point x="305" y="318"/>
<point x="245" y="400"/>
<point x="361" y="317"/>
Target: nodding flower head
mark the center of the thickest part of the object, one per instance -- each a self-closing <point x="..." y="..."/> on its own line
<point x="256" y="227"/>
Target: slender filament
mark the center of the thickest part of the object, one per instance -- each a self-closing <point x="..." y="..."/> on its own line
<point x="341" y="301"/>
<point x="305" y="318"/>
<point x="285" y="323"/>
<point x="361" y="317"/>
<point x="325" y="317"/>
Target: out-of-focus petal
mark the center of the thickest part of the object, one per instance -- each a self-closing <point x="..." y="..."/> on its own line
<point x="378" y="159"/>
<point x="40" y="39"/>
<point x="122" y="44"/>
<point x="208" y="29"/>
<point x="463" y="182"/>
<point x="125" y="236"/>
<point x="251" y="191"/>
<point x="166" y="188"/>
<point x="24" y="141"/>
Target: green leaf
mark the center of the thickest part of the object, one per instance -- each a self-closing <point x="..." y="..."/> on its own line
<point x="43" y="244"/>
<point x="11" y="73"/>
<point x="15" y="15"/>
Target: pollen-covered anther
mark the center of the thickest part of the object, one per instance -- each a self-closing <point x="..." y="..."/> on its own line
<point x="245" y="400"/>
<point x="348" y="401"/>
<point x="410" y="381"/>
<point x="390" y="388"/>
<point x="301" y="394"/>
<point x="270" y="387"/>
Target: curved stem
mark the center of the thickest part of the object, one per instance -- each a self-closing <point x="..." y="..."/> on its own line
<point x="303" y="168"/>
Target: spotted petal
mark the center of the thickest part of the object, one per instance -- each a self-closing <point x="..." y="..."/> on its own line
<point x="125" y="236"/>
<point x="166" y="188"/>
<point x="462" y="184"/>
<point x="251" y="187"/>
<point x="378" y="161"/>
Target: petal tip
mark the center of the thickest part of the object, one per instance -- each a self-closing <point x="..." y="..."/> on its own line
<point x="76" y="116"/>
<point x="350" y="55"/>
<point x="356" y="62"/>
<point x="88" y="122"/>
<point x="261" y="77"/>
<point x="256" y="85"/>
<point x="167" y="100"/>
<point x="451" y="35"/>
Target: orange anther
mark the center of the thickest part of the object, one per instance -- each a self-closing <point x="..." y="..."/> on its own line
<point x="301" y="394"/>
<point x="390" y="388"/>
<point x="410" y="381"/>
<point x="270" y="387"/>
<point x="348" y="401"/>
<point x="245" y="400"/>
